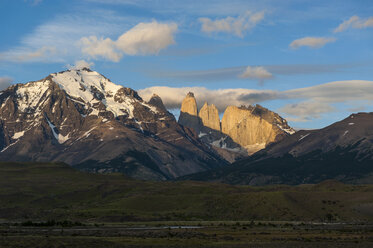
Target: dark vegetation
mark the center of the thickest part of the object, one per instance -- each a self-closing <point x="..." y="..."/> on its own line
<point x="43" y="191"/>
<point x="206" y="234"/>
<point x="122" y="165"/>
<point x="54" y="205"/>
<point x="342" y="164"/>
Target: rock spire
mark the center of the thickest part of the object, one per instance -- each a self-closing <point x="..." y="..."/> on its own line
<point x="209" y="116"/>
<point x="189" y="113"/>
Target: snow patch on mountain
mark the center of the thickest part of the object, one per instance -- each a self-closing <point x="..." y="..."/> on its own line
<point x="12" y="144"/>
<point x="29" y="96"/>
<point x="220" y="143"/>
<point x="303" y="136"/>
<point x="287" y="130"/>
<point x="18" y="135"/>
<point x="200" y="135"/>
<point x="90" y="88"/>
<point x="59" y="137"/>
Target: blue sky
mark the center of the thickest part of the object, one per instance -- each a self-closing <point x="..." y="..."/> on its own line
<point x="310" y="61"/>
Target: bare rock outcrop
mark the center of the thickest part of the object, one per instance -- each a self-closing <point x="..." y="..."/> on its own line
<point x="156" y="101"/>
<point x="189" y="113"/>
<point x="243" y="130"/>
<point x="254" y="127"/>
<point x="209" y="116"/>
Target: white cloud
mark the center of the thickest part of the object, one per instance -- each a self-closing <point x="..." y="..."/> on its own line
<point x="197" y="75"/>
<point x="69" y="36"/>
<point x="354" y="22"/>
<point x="221" y="98"/>
<point x="338" y="91"/>
<point x="100" y="48"/>
<point x="234" y="25"/>
<point x="147" y="38"/>
<point x="5" y="82"/>
<point x="26" y="55"/>
<point x="320" y="97"/>
<point x="190" y="7"/>
<point x="314" y="101"/>
<point x="313" y="42"/>
<point x="143" y="39"/>
<point x="306" y="111"/>
<point x="256" y="72"/>
<point x="62" y="35"/>
<point x="80" y="64"/>
<point x="230" y="73"/>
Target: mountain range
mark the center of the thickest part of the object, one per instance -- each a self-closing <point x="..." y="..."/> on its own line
<point x="81" y="118"/>
<point x="242" y="131"/>
<point x="342" y="151"/>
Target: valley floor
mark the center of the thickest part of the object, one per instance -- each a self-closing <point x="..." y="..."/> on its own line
<point x="191" y="234"/>
<point x="54" y="205"/>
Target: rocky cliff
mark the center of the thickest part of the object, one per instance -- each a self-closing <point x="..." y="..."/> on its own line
<point x="189" y="113"/>
<point x="253" y="127"/>
<point x="209" y="116"/>
<point x="242" y="129"/>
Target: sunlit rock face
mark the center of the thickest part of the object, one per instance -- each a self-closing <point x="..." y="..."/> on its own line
<point x="189" y="113"/>
<point x="254" y="127"/>
<point x="242" y="129"/>
<point x="248" y="130"/>
<point x="209" y="116"/>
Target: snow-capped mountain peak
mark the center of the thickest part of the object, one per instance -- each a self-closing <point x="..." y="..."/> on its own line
<point x="62" y="101"/>
<point x="81" y="118"/>
<point x="90" y="88"/>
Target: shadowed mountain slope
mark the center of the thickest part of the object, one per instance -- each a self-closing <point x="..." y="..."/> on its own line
<point x="342" y="151"/>
<point x="83" y="119"/>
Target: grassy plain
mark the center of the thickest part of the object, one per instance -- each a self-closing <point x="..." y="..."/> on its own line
<point x="53" y="205"/>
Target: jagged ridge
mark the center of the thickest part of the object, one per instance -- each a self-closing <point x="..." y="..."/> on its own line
<point x="82" y="118"/>
<point x="341" y="151"/>
<point x="242" y="129"/>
